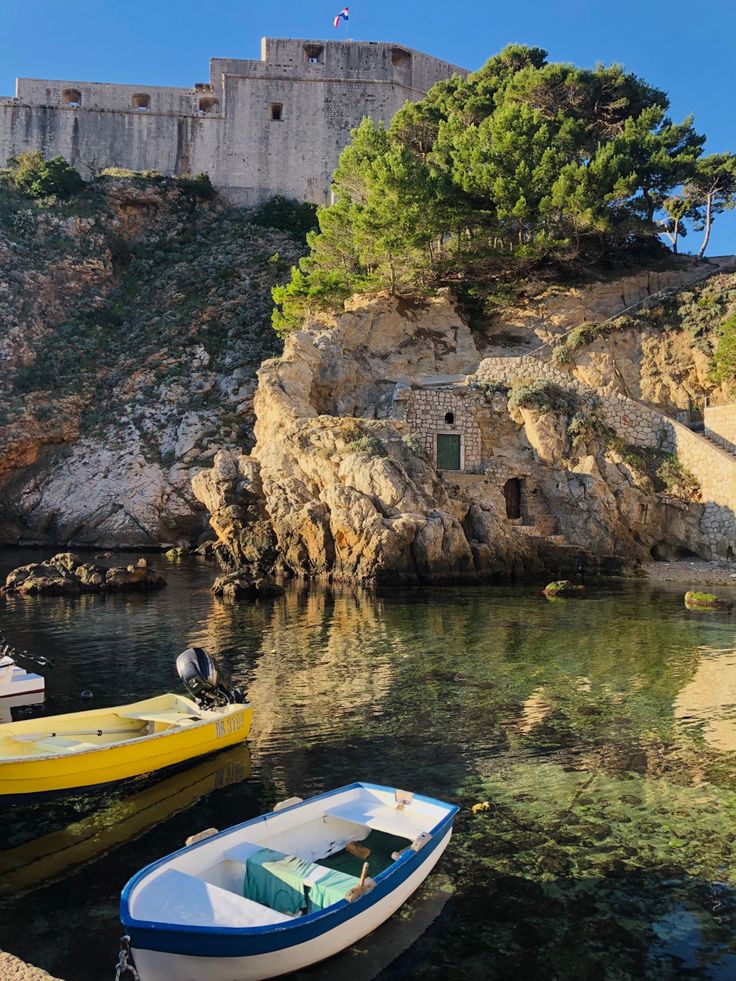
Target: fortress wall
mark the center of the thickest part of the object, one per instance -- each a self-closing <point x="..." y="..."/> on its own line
<point x="104" y="95"/>
<point x="226" y="127"/>
<point x="97" y="139"/>
<point x="298" y="153"/>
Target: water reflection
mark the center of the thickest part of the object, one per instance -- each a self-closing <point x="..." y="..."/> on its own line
<point x="601" y="732"/>
<point x="708" y="701"/>
<point x="118" y="818"/>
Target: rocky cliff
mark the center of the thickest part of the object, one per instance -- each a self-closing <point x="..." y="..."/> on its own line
<point x="132" y="321"/>
<point x="342" y="483"/>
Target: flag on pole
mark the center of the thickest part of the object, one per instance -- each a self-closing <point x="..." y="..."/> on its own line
<point x="343" y="15"/>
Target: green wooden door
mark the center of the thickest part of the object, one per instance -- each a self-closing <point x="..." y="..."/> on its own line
<point x="448" y="451"/>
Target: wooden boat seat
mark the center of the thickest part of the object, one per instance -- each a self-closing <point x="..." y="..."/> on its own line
<point x="373" y="814"/>
<point x="175" y="897"/>
<point x="171" y="718"/>
<point x="58" y="744"/>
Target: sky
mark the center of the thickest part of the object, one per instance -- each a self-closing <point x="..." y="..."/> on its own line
<point x="685" y="48"/>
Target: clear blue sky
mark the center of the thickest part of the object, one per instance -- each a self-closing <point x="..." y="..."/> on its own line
<point x="688" y="49"/>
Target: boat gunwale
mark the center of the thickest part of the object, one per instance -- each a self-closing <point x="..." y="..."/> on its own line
<point x="409" y="860"/>
<point x="198" y="723"/>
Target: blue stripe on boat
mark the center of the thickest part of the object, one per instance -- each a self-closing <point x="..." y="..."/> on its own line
<point x="202" y="941"/>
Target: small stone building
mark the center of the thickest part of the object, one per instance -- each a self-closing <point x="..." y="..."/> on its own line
<point x="444" y="415"/>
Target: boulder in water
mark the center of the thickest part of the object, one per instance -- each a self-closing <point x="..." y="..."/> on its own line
<point x="564" y="588"/>
<point x="66" y="574"/>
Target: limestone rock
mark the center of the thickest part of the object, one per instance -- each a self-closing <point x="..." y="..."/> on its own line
<point x="243" y="585"/>
<point x="66" y="574"/>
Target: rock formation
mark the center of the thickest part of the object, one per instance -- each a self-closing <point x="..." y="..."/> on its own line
<point x="129" y="336"/>
<point x="338" y="486"/>
<point x="67" y="574"/>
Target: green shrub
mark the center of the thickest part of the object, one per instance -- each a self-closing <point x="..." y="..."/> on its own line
<point x="415" y="446"/>
<point x="36" y="177"/>
<point x="368" y="445"/>
<point x="491" y="389"/>
<point x="586" y="426"/>
<point x="198" y="185"/>
<point x="677" y="480"/>
<point x="544" y="396"/>
<point x="723" y="365"/>
<point x="561" y="355"/>
<point x="295" y="217"/>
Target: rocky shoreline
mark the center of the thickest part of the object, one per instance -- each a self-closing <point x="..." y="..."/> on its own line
<point x="696" y="572"/>
<point x="14" y="969"/>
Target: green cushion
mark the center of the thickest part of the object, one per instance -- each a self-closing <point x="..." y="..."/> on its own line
<point x="277" y="881"/>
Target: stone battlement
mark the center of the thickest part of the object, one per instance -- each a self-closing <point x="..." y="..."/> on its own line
<point x="257" y="127"/>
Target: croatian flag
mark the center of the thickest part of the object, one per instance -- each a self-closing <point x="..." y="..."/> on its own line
<point x="342" y="15"/>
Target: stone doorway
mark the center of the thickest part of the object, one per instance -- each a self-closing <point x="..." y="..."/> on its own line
<point x="512" y="494"/>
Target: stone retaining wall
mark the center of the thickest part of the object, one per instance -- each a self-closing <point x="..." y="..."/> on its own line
<point x="720" y="424"/>
<point x="640" y="425"/>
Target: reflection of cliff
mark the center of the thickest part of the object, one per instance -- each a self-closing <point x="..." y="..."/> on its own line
<point x="326" y="674"/>
<point x="709" y="699"/>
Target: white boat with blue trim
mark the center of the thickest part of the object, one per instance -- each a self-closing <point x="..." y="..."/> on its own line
<point x="286" y="889"/>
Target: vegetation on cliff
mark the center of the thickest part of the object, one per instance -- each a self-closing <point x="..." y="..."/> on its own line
<point x="133" y="318"/>
<point x="525" y="164"/>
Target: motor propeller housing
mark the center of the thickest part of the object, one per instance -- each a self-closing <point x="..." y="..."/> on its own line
<point x="201" y="678"/>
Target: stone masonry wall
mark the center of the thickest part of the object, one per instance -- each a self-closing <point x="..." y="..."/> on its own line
<point x="720" y="424"/>
<point x="258" y="127"/>
<point x="425" y="410"/>
<point x="640" y="425"/>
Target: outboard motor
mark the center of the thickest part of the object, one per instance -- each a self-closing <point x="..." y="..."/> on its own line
<point x="198" y="672"/>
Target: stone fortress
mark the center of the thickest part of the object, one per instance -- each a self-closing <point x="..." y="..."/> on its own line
<point x="258" y="128"/>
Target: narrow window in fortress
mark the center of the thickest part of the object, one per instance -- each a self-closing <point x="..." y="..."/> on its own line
<point x="314" y="54"/>
<point x="207" y="104"/>
<point x="277" y="110"/>
<point x="141" y="101"/>
<point x="71" y="97"/>
<point x="400" y="58"/>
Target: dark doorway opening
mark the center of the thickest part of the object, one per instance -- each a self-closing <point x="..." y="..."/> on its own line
<point x="512" y="493"/>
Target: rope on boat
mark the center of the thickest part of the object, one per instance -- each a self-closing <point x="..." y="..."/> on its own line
<point x="125" y="963"/>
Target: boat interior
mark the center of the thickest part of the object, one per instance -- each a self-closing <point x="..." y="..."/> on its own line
<point x="93" y="729"/>
<point x="287" y="864"/>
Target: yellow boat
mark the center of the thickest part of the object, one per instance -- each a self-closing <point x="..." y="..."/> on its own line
<point x="101" y="746"/>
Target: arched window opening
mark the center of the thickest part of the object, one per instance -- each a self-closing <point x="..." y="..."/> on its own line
<point x="450" y="418"/>
<point x="71" y="97"/>
<point x="314" y="54"/>
<point x="207" y="104"/>
<point x="141" y="101"/>
<point x="277" y="110"/>
<point x="400" y="58"/>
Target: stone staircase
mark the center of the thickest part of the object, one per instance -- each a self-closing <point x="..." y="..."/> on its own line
<point x="720" y="442"/>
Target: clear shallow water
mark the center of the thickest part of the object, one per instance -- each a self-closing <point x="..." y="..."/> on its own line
<point x="603" y="734"/>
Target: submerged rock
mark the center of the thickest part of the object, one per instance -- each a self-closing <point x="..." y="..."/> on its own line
<point x="66" y="574"/>
<point x="703" y="601"/>
<point x="563" y="587"/>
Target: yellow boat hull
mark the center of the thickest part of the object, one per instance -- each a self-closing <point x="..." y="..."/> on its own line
<point x="109" y="753"/>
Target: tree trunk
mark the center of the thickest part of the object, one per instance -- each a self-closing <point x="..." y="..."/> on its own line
<point x="708" y="223"/>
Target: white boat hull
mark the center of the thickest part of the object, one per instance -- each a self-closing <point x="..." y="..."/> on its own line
<point x="159" y="966"/>
<point x="15" y="681"/>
